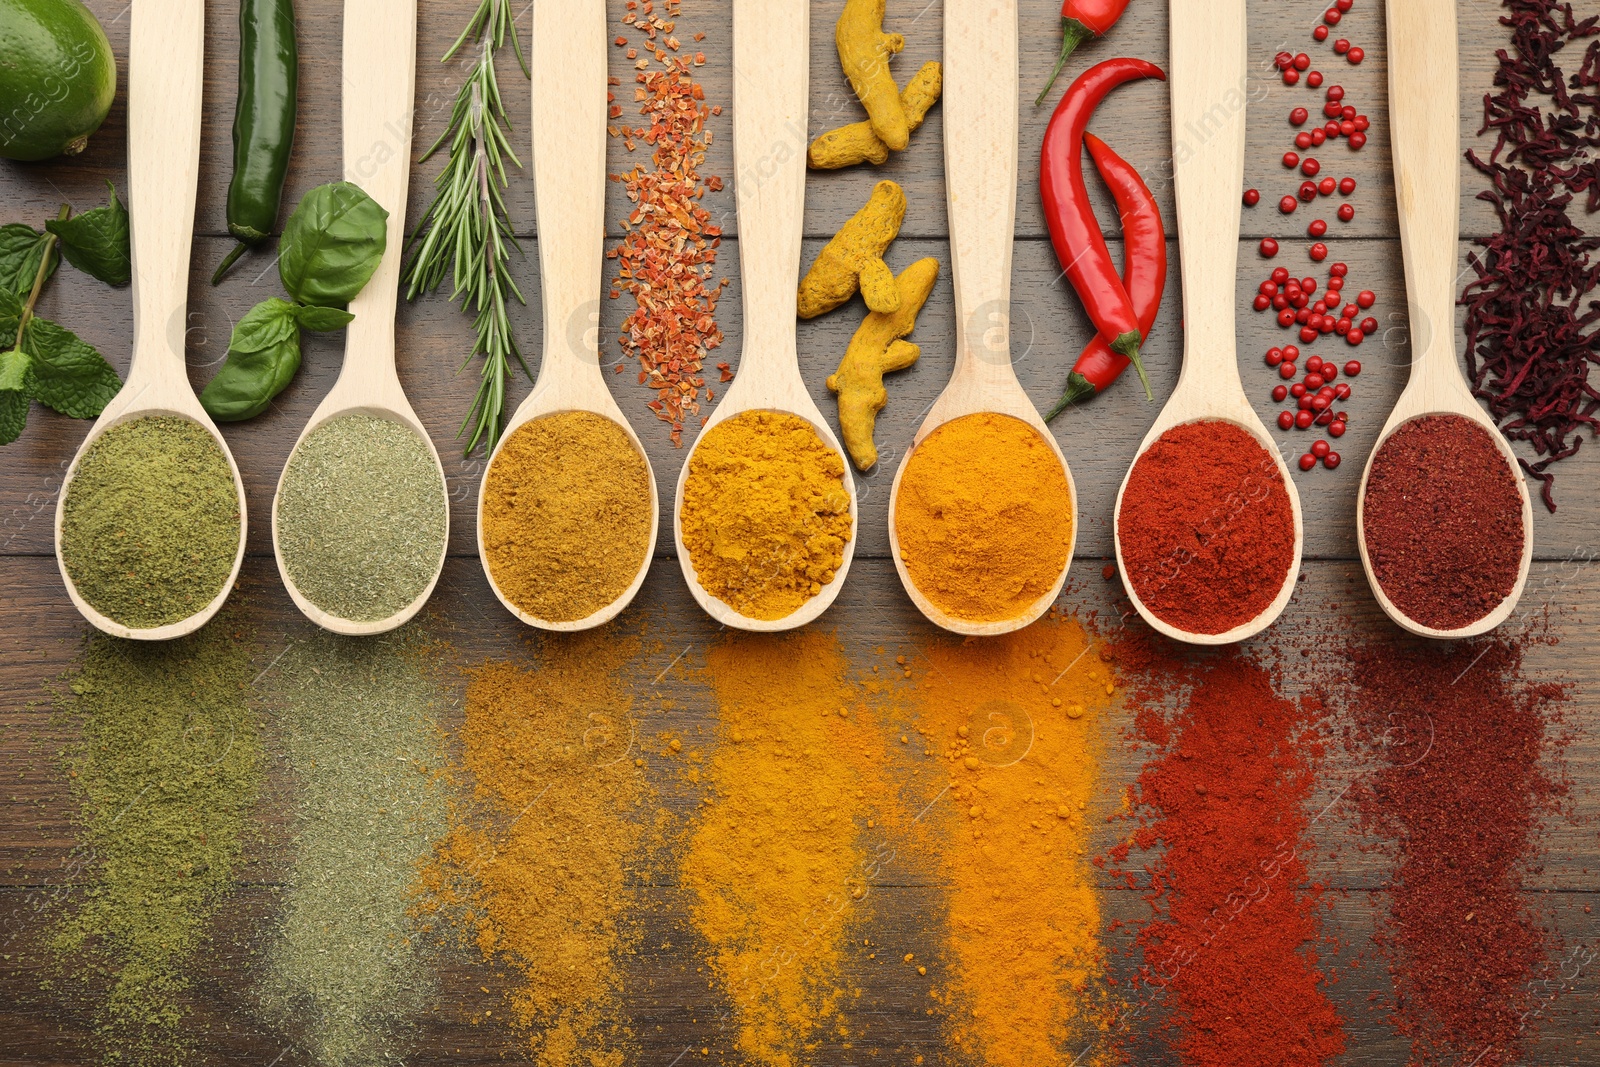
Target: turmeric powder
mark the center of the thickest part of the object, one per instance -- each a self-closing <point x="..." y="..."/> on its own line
<point x="876" y="349"/>
<point x="858" y="142"/>
<point x="854" y="258"/>
<point x="864" y="51"/>
<point x="1015" y="723"/>
<point x="765" y="513"/>
<point x="984" y="517"/>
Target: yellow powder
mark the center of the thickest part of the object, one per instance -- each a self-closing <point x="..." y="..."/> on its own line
<point x="984" y="517"/>
<point x="533" y="868"/>
<point x="566" y="515"/>
<point x="1015" y="723"/>
<point x="765" y="513"/>
<point x="779" y="862"/>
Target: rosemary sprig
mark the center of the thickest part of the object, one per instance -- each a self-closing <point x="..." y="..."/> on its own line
<point x="465" y="231"/>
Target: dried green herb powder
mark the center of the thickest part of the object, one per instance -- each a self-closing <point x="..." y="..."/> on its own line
<point x="362" y="517"/>
<point x="356" y="725"/>
<point x="150" y="525"/>
<point x="165" y="774"/>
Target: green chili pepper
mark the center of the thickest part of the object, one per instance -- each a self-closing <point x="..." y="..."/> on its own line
<point x="263" y="122"/>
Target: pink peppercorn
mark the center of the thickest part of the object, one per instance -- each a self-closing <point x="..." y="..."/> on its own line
<point x="1310" y="168"/>
<point x="1335" y="92"/>
<point x="1302" y="140"/>
<point x="1287" y="205"/>
<point x="1307" y="461"/>
<point x="1302" y="61"/>
<point x="1320" y="33"/>
<point x="1291" y="160"/>
<point x="1269" y="248"/>
<point x="1356" y="56"/>
<point x="1291" y="76"/>
<point x="1346" y="212"/>
<point x="1366" y="298"/>
<point x="1285" y="420"/>
<point x="1318" y="136"/>
<point x="1308" y="191"/>
<point x="1318" y="228"/>
<point x="1314" y="79"/>
<point x="1280" y="392"/>
<point x="1319" y="252"/>
<point x="1369" y="325"/>
<point x="1347" y="186"/>
<point x="1341" y="46"/>
<point x="1252" y="197"/>
<point x="1298" y="116"/>
<point x="1337" y="429"/>
<point x="1357" y="141"/>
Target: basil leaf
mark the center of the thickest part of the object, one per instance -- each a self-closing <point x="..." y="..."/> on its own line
<point x="68" y="374"/>
<point x="14" y="395"/>
<point x="21" y="247"/>
<point x="331" y="245"/>
<point x="322" y="319"/>
<point x="263" y="355"/>
<point x="96" y="242"/>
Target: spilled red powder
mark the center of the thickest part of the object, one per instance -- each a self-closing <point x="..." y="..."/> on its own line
<point x="1459" y="790"/>
<point x="1234" y="941"/>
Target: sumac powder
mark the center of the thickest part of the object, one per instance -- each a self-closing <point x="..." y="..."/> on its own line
<point x="1442" y="521"/>
<point x="1205" y="529"/>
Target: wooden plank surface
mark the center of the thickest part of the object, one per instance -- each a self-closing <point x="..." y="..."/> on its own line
<point x="668" y="999"/>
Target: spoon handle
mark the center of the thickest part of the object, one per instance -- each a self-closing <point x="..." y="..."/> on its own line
<point x="166" y="48"/>
<point x="980" y="165"/>
<point x="569" y="182"/>
<point x="1208" y="132"/>
<point x="1425" y="123"/>
<point x="380" y="71"/>
<point x="771" y="61"/>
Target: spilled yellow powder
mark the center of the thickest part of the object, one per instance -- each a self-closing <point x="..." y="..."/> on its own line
<point x="533" y="867"/>
<point x="779" y="862"/>
<point x="1015" y="723"/>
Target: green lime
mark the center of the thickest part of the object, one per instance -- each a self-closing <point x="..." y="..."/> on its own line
<point x="57" y="77"/>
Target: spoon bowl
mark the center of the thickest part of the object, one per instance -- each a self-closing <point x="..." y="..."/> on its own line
<point x="569" y="169"/>
<point x="1424" y="115"/>
<point x="380" y="62"/>
<point x="1208" y="76"/>
<point x="980" y="106"/>
<point x="771" y="50"/>
<point x="166" y="56"/>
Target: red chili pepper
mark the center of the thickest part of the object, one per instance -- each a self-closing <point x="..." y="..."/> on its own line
<point x="1144" y="273"/>
<point x="1081" y="20"/>
<point x="1074" y="231"/>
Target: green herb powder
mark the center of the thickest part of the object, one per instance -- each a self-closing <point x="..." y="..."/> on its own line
<point x="150" y="526"/>
<point x="357" y="729"/>
<point x="362" y="517"/>
<point x="165" y="773"/>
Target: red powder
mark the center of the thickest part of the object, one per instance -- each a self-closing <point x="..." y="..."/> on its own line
<point x="1442" y="522"/>
<point x="1457" y="731"/>
<point x="1205" y="529"/>
<point x="1235" y="934"/>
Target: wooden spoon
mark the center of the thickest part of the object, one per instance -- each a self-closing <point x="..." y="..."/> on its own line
<point x="1208" y="79"/>
<point x="166" y="54"/>
<point x="569" y="180"/>
<point x="771" y="74"/>
<point x="1425" y="120"/>
<point x="980" y="173"/>
<point x="380" y="67"/>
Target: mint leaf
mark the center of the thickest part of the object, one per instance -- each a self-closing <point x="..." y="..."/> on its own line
<point x="96" y="242"/>
<point x="322" y="319"/>
<point x="13" y="395"/>
<point x="10" y="317"/>
<point x="21" y="247"/>
<point x="263" y="355"/>
<point x="68" y="374"/>
<point x="332" y="244"/>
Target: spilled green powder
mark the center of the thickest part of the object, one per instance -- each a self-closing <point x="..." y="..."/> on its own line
<point x="165" y="775"/>
<point x="362" y="517"/>
<point x="356" y="727"/>
<point x="150" y="524"/>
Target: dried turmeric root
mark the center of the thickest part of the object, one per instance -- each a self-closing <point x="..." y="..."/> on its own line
<point x="875" y="350"/>
<point x="858" y="143"/>
<point x="854" y="258"/>
<point x="864" y="51"/>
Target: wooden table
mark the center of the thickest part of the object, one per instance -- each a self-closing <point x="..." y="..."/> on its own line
<point x="40" y="632"/>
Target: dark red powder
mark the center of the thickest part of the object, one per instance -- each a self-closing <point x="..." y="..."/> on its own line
<point x="1234" y="939"/>
<point x="1458" y="732"/>
<point x="1205" y="529"/>
<point x="1442" y="521"/>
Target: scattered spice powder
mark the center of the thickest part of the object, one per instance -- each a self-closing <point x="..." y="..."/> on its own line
<point x="765" y="514"/>
<point x="984" y="517"/>
<point x="166" y="774"/>
<point x="1205" y="530"/>
<point x="1459" y="733"/>
<point x="1531" y="335"/>
<point x="668" y="253"/>
<point x="555" y="482"/>
<point x="533" y="869"/>
<point x="1442" y="522"/>
<point x="356" y="720"/>
<point x="778" y="865"/>
<point x="1015" y="724"/>
<point x="1234" y="936"/>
